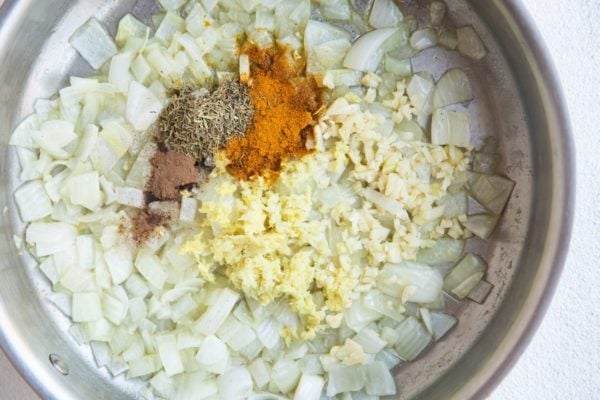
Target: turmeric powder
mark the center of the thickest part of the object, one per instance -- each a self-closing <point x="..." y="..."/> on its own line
<point x="284" y="104"/>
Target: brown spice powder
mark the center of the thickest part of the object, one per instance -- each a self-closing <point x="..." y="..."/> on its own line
<point x="170" y="171"/>
<point x="145" y="225"/>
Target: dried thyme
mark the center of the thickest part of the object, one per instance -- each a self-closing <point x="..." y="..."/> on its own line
<point x="197" y="122"/>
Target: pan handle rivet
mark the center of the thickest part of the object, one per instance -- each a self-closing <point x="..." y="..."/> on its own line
<point x="58" y="363"/>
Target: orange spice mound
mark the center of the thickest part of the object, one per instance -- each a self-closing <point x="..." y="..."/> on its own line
<point x="284" y="106"/>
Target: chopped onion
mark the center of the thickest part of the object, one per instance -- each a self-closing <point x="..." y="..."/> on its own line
<point x="336" y="10"/>
<point x="130" y="26"/>
<point x="480" y="292"/>
<point x="441" y="323"/>
<point x="453" y="87"/>
<point x="285" y="375"/>
<point x="448" y="40"/>
<point x="491" y="191"/>
<point x="118" y="74"/>
<point x="465" y="276"/>
<point x="235" y="384"/>
<point x="143" y="108"/>
<point x="93" y="43"/>
<point x="423" y="39"/>
<point x="169" y="354"/>
<point x="86" y="307"/>
<point x="380" y="381"/>
<point x="450" y="127"/>
<point x="84" y="190"/>
<point x="150" y="267"/>
<point x="366" y="53"/>
<point x="410" y="282"/>
<point x="482" y="225"/>
<point x="385" y="14"/>
<point x="260" y="372"/>
<point x="217" y="312"/>
<point x="370" y="341"/>
<point x="346" y="379"/>
<point x="32" y="201"/>
<point x="470" y="44"/>
<point x="50" y="237"/>
<point x="437" y="12"/>
<point x="309" y="387"/>
<point x="413" y="339"/>
<point x="120" y="263"/>
<point x="443" y="251"/>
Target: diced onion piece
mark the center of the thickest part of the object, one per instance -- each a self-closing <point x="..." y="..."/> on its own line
<point x="54" y="136"/>
<point x="470" y="44"/>
<point x="235" y="384"/>
<point x="50" y="237"/>
<point x="187" y="212"/>
<point x="336" y="10"/>
<point x="32" y="201"/>
<point x="437" y="12"/>
<point x="22" y="135"/>
<point x="380" y="381"/>
<point x="84" y="190"/>
<point x="101" y="352"/>
<point x="260" y="372"/>
<point x="443" y="251"/>
<point x="385" y="203"/>
<point x="413" y="339"/>
<point x="86" y="307"/>
<point x="120" y="263"/>
<point x="171" y="5"/>
<point x="423" y="39"/>
<point x="480" y="292"/>
<point x="420" y="92"/>
<point x="410" y="282"/>
<point x="169" y="25"/>
<point x="118" y="73"/>
<point x="370" y="341"/>
<point x="130" y="26"/>
<point x="268" y="332"/>
<point x="385" y="14"/>
<point x="464" y="276"/>
<point x="454" y="204"/>
<point x="386" y="305"/>
<point x="169" y="354"/>
<point x="441" y="323"/>
<point x="87" y="142"/>
<point x="309" y="387"/>
<point x="366" y="53"/>
<point x="285" y="375"/>
<point x="62" y="301"/>
<point x="141" y="170"/>
<point x="491" y="191"/>
<point x="143" y="107"/>
<point x="357" y="317"/>
<point x="150" y="267"/>
<point x="169" y="209"/>
<point x="162" y="385"/>
<point x="401" y="68"/>
<point x="450" y="127"/>
<point x="346" y="379"/>
<point x="130" y="197"/>
<point x="448" y="40"/>
<point x="143" y="366"/>
<point x="482" y="225"/>
<point x="453" y="87"/>
<point x="217" y="312"/>
<point x="244" y="68"/>
<point x="93" y="43"/>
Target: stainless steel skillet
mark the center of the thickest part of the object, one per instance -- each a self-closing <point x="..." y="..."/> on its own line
<point x="519" y="102"/>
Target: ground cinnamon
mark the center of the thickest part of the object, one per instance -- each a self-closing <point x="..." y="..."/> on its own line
<point x="170" y="171"/>
<point x="284" y="104"/>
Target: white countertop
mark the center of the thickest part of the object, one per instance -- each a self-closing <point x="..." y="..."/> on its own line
<point x="563" y="359"/>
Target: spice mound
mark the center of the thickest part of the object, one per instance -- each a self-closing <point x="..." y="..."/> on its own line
<point x="198" y="122"/>
<point x="170" y="171"/>
<point x="284" y="106"/>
